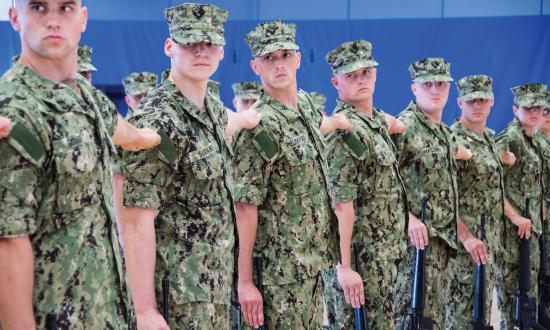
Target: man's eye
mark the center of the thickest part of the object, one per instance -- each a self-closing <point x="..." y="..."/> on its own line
<point x="286" y="55"/>
<point x="38" y="8"/>
<point x="66" y="8"/>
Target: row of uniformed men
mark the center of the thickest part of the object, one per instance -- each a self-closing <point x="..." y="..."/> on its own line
<point x="178" y="221"/>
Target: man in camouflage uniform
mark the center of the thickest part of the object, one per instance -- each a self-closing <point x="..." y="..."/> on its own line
<point x="542" y="139"/>
<point x="319" y="100"/>
<point x="136" y="86"/>
<point x="85" y="66"/>
<point x="426" y="156"/>
<point x="282" y="191"/>
<point x="60" y="256"/>
<point x="246" y="93"/>
<point x="179" y="217"/>
<point x="481" y="193"/>
<point x="369" y="195"/>
<point x="522" y="181"/>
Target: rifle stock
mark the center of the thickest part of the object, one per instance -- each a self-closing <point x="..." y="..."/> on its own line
<point x="524" y="310"/>
<point x="543" y="281"/>
<point x="361" y="318"/>
<point x="165" y="292"/>
<point x="478" y="317"/>
<point x="417" y="321"/>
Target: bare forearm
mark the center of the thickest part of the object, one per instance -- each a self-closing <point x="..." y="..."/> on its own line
<point x="232" y="124"/>
<point x="16" y="283"/>
<point x="346" y="218"/>
<point x="327" y="125"/>
<point x="509" y="210"/>
<point x="125" y="133"/>
<point x="140" y="253"/>
<point x="463" y="232"/>
<point x="247" y="225"/>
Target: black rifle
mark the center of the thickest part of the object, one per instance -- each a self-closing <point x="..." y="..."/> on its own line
<point x="525" y="307"/>
<point x="361" y="319"/>
<point x="238" y="316"/>
<point x="165" y="293"/>
<point x="543" y="281"/>
<point x="258" y="266"/>
<point x="478" y="317"/>
<point x="51" y="321"/>
<point x="417" y="321"/>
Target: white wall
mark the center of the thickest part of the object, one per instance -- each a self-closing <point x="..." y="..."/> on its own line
<point x="4" y="5"/>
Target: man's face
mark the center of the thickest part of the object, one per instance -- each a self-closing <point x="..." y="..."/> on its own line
<point x="355" y="86"/>
<point x="241" y="104"/>
<point x="431" y="96"/>
<point x="197" y="61"/>
<point x="545" y="122"/>
<point x="49" y="29"/>
<point x="277" y="70"/>
<point x="529" y="117"/>
<point x="477" y="110"/>
<point x="134" y="100"/>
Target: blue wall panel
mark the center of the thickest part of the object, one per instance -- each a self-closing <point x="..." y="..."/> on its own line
<point x="465" y="8"/>
<point x="546" y="7"/>
<point x="360" y="9"/>
<point x="303" y="9"/>
<point x="512" y="50"/>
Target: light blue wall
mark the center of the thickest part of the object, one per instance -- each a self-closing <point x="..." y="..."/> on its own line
<point x="324" y="9"/>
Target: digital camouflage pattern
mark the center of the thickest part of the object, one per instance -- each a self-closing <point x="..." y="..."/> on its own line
<point x="530" y="95"/>
<point x="281" y="168"/>
<point x="366" y="173"/>
<point x="268" y="37"/>
<point x="428" y="168"/>
<point x="191" y="23"/>
<point x="249" y="90"/>
<point x="318" y="99"/>
<point x="475" y="87"/>
<point x="521" y="181"/>
<point x="188" y="179"/>
<point x="297" y="305"/>
<point x="198" y="316"/>
<point x="430" y="69"/>
<point x="481" y="193"/>
<point x="85" y="59"/>
<point x="426" y="163"/>
<point x="351" y="56"/>
<point x="139" y="83"/>
<point x="543" y="145"/>
<point x="214" y="87"/>
<point x="56" y="189"/>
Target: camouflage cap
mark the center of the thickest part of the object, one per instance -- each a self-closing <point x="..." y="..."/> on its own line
<point x="214" y="87"/>
<point x="530" y="95"/>
<point x="85" y="59"/>
<point x="547" y="106"/>
<point x="475" y="87"/>
<point x="139" y="83"/>
<point x="318" y="99"/>
<point x="247" y="90"/>
<point x="192" y="23"/>
<point x="430" y="69"/>
<point x="268" y="37"/>
<point x="351" y="56"/>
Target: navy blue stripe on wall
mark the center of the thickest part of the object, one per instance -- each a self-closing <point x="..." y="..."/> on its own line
<point x="513" y="50"/>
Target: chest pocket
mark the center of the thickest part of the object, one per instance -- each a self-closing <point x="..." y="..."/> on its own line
<point x="484" y="164"/>
<point x="531" y="174"/>
<point x="206" y="162"/>
<point x="303" y="169"/>
<point x="76" y="158"/>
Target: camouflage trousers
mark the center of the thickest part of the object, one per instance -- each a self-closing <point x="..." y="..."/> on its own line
<point x="507" y="285"/>
<point x="460" y="291"/>
<point x="437" y="259"/>
<point x="293" y="306"/>
<point x="198" y="316"/>
<point x="379" y="278"/>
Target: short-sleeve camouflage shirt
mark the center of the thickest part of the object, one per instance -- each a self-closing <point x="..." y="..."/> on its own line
<point x="363" y="168"/>
<point x="523" y="180"/>
<point x="188" y="178"/>
<point x="480" y="185"/>
<point x="281" y="168"/>
<point x="427" y="166"/>
<point x="56" y="189"/>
